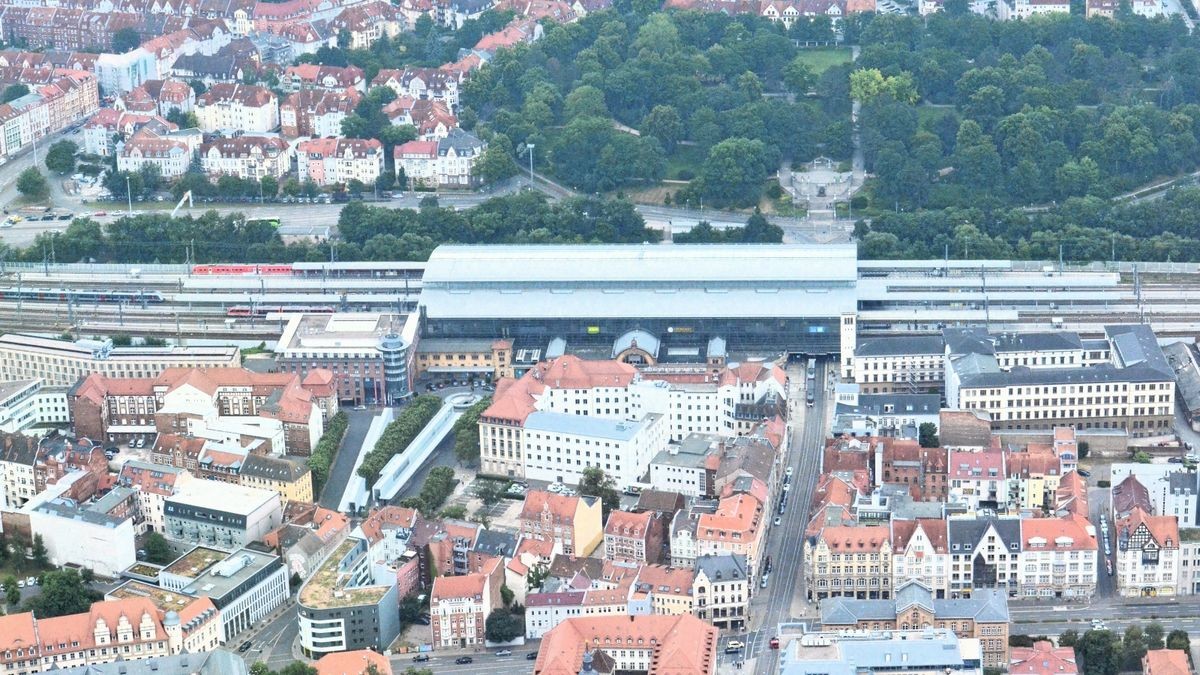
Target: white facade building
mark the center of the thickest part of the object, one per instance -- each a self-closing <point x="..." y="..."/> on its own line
<point x="26" y="403"/>
<point x="1172" y="489"/>
<point x="559" y="446"/>
<point x="79" y="536"/>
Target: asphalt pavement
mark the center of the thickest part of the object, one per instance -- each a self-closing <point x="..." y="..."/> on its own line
<point x="343" y="463"/>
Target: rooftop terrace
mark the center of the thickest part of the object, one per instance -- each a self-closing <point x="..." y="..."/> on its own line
<point x="193" y="563"/>
<point x="327" y="587"/>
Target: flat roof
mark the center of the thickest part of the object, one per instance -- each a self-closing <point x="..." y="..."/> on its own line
<point x="166" y="600"/>
<point x="65" y="508"/>
<point x="221" y="496"/>
<point x="327" y="587"/>
<point x="343" y="332"/>
<point x="587" y="425"/>
<point x="642" y="262"/>
<point x="22" y="341"/>
<point x="11" y="387"/>
<point x="193" y="563"/>
<point x="233" y="570"/>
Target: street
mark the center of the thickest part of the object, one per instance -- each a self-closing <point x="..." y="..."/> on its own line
<point x="783" y="599"/>
<point x="343" y="463"/>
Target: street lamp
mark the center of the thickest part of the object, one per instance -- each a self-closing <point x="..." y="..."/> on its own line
<point x="129" y="195"/>
<point x="529" y="148"/>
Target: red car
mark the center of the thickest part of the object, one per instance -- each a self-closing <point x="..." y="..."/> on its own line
<point x="100" y="214"/>
<point x="774" y="643"/>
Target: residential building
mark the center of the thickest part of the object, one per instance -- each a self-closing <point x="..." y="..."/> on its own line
<point x="631" y="537"/>
<point x="1148" y="554"/>
<point x="978" y="478"/>
<point x="682" y="644"/>
<point x="315" y="76"/>
<point x="850" y="562"/>
<point x="923" y="470"/>
<point x="316" y="112"/>
<point x="60" y="363"/>
<point x="247" y="157"/>
<point x="366" y="22"/>
<point x="915" y="652"/>
<point x="459" y="606"/>
<point x="336" y="161"/>
<point x="18" y="455"/>
<point x="171" y="152"/>
<point x="290" y="478"/>
<point x="1043" y="658"/>
<point x="432" y="119"/>
<point x="1172" y="490"/>
<point x="736" y="527"/>
<point x="984" y="553"/>
<point x="571" y="525"/>
<point x="221" y="514"/>
<point x="1166" y="662"/>
<point x="27" y="403"/>
<point x="1041" y="381"/>
<point x="1059" y="558"/>
<point x="722" y="590"/>
<point x="153" y="483"/>
<point x="238" y="107"/>
<point x="446" y="162"/>
<point x="129" y="630"/>
<point x="107" y="123"/>
<point x="983" y="617"/>
<point x="348" y="603"/>
<point x="428" y="83"/>
<point x="908" y="364"/>
<point x="896" y="415"/>
<point x="219" y="662"/>
<point x="309" y="533"/>
<point x="1009" y="10"/>
<point x="371" y="356"/>
<point x="921" y="553"/>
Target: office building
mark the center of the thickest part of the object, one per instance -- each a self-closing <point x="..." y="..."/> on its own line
<point x="908" y="652"/>
<point x="555" y="442"/>
<point x="27" y="403"/>
<point x="245" y="585"/>
<point x="371" y="356"/>
<point x="682" y="645"/>
<point x="348" y="603"/>
<point x="60" y="363"/>
<point x="221" y="514"/>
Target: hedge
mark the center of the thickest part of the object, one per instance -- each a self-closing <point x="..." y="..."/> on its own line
<point x="398" y="435"/>
<point x="322" y="457"/>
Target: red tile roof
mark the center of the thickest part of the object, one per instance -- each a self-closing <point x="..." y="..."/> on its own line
<point x="682" y="645"/>
<point x="1043" y="658"/>
<point x="626" y="524"/>
<point x="1166" y="662"/>
<point x="856" y="539"/>
<point x="463" y="586"/>
<point x="357" y="662"/>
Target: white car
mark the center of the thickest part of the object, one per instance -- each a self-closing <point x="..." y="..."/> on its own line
<point x="556" y="487"/>
<point x="787" y="486"/>
<point x="789" y="471"/>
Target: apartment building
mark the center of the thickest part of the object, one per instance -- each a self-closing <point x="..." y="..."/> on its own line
<point x="631" y="537"/>
<point x="421" y="83"/>
<point x="18" y="455"/>
<point x="334" y="161"/>
<point x="83" y="535"/>
<point x="291" y="479"/>
<point x="246" y="157"/>
<point x="1148" y="554"/>
<point x="315" y="76"/>
<point x="171" y="152"/>
<point x="316" y="112"/>
<point x="447" y="162"/>
<point x="682" y="644"/>
<point x="852" y="562"/>
<point x="1170" y="489"/>
<point x="722" y="590"/>
<point x="60" y="363"/>
<point x="238" y="107"/>
<point x="559" y="447"/>
<point x="570" y="525"/>
<point x="908" y="364"/>
<point x="984" y="553"/>
<point x="982" y="617"/>
<point x="1044" y="380"/>
<point x="1059" y="558"/>
<point x="978" y="479"/>
<point x="1011" y="10"/>
<point x="26" y="403"/>
<point x="459" y="606"/>
<point x="47" y="109"/>
<point x="153" y="483"/>
<point x="921" y="553"/>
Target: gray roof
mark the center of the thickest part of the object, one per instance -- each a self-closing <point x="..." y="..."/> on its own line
<point x="1183" y="481"/>
<point x="1182" y="359"/>
<point x="936" y="650"/>
<point x="66" y="508"/>
<point x="18" y="448"/>
<point x="586" y="425"/>
<point x="216" y="662"/>
<point x="115" y="496"/>
<point x="964" y="534"/>
<point x="876" y="404"/>
<point x="1022" y="376"/>
<point x="716" y="347"/>
<point x="722" y="567"/>
<point x="496" y="543"/>
<point x="439" y="345"/>
<point x="273" y="468"/>
<point x="1137" y="345"/>
<point x="986" y="605"/>
<point x="649" y="281"/>
<point x="900" y="345"/>
<point x="639" y="338"/>
<point x="462" y="142"/>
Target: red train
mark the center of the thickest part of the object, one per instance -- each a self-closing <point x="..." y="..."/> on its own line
<point x="263" y="310"/>
<point x="241" y="270"/>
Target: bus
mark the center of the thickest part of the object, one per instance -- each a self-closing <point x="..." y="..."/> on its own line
<point x="272" y="221"/>
<point x="812" y="368"/>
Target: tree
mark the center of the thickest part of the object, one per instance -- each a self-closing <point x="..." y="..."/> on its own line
<point x="1178" y="639"/>
<point x="495" y="165"/>
<point x="295" y="581"/>
<point x="1068" y="638"/>
<point x="259" y="668"/>
<point x="454" y="512"/>
<point x="61" y="156"/>
<point x="158" y="551"/>
<point x="1154" y="635"/>
<point x="506" y="595"/>
<point x="537" y="576"/>
<point x="297" y="668"/>
<point x="1099" y="652"/>
<point x="664" y="123"/>
<point x="62" y="593"/>
<point x="125" y="40"/>
<point x="584" y="101"/>
<point x="184" y="120"/>
<point x="488" y="491"/>
<point x="410" y="609"/>
<point x="596" y="483"/>
<point x="1084" y="449"/>
<point x="87" y="575"/>
<point x="13" y="92"/>
<point x="466" y="433"/>
<point x="759" y="230"/>
<point x="798" y="77"/>
<point x="734" y="172"/>
<point x="12" y="591"/>
<point x="928" y="435"/>
<point x="270" y="186"/>
<point x="32" y="184"/>
<point x="504" y="626"/>
<point x="40" y="556"/>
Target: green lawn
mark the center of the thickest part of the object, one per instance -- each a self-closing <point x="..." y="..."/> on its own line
<point x="685" y="158"/>
<point x="820" y="59"/>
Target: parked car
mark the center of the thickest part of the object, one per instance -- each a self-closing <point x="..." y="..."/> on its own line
<point x="1085" y="474"/>
<point x="778" y="520"/>
<point x="774" y="643"/>
<point x="1175" y="460"/>
<point x="464" y="659"/>
<point x="504" y="652"/>
<point x="531" y="656"/>
<point x="789" y="471"/>
<point x="245" y="647"/>
<point x="420" y="658"/>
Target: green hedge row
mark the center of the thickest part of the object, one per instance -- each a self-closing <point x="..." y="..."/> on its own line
<point x="398" y="435"/>
<point x="326" y="450"/>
